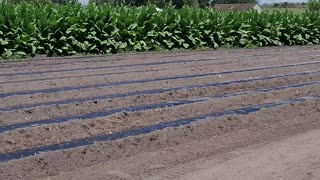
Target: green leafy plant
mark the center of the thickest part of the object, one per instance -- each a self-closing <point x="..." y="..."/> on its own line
<point x="27" y="29"/>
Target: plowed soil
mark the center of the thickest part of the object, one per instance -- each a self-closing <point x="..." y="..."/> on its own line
<point x="223" y="114"/>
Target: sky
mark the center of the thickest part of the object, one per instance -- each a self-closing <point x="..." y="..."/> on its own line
<point x="83" y="2"/>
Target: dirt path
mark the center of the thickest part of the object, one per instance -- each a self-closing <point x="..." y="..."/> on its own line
<point x="296" y="157"/>
<point x="221" y="114"/>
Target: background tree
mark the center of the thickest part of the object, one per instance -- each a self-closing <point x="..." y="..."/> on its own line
<point x="314" y="5"/>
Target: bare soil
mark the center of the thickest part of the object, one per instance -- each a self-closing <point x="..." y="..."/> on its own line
<point x="97" y="96"/>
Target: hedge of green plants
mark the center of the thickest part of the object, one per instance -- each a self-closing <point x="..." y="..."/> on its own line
<point x="27" y="30"/>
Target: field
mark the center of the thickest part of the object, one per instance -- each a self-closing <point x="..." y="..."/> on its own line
<point x="176" y="115"/>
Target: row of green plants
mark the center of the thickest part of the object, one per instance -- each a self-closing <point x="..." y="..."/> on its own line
<point x="27" y="30"/>
<point x="158" y="3"/>
<point x="176" y="3"/>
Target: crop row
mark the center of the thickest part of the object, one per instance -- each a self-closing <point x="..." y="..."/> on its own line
<point x="26" y="29"/>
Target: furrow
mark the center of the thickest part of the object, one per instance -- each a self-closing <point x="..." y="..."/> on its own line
<point x="60" y="110"/>
<point x="157" y="91"/>
<point x="70" y="88"/>
<point x="145" y="107"/>
<point x="133" y="57"/>
<point x="55" y="80"/>
<point x="144" y="130"/>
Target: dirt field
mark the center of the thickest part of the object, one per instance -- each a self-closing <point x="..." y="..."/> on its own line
<point x="223" y="114"/>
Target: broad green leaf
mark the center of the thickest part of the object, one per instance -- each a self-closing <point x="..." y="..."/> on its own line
<point x="3" y="42"/>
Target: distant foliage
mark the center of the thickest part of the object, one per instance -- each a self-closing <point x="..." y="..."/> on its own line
<point x="35" y="2"/>
<point x="287" y="5"/>
<point x="158" y="3"/>
<point x="42" y="2"/>
<point x="233" y="1"/>
<point x="314" y="5"/>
